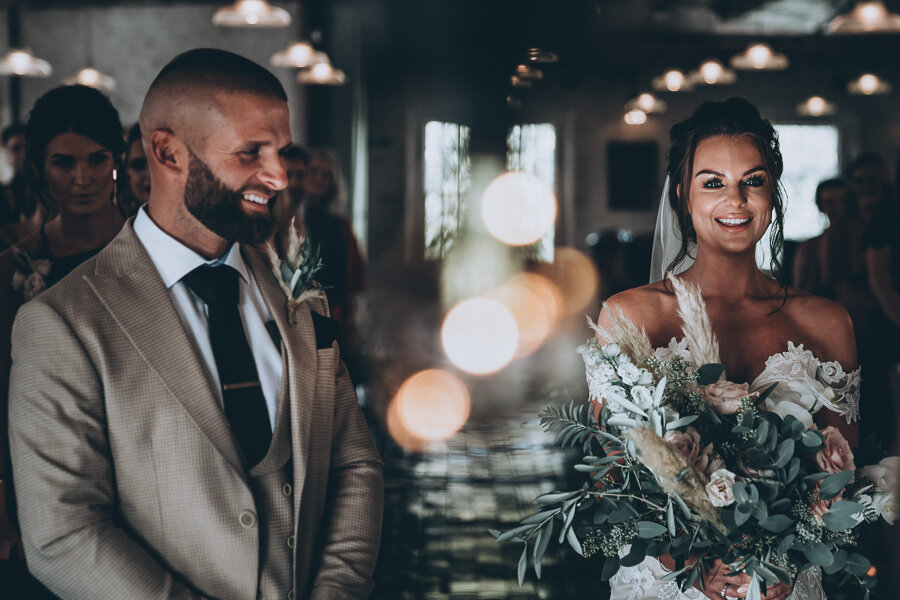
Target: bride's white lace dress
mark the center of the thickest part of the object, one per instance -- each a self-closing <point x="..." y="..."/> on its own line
<point x="805" y="385"/>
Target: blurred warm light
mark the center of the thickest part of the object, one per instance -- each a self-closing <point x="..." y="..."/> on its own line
<point x="529" y="72"/>
<point x="648" y="103"/>
<point x="91" y="77"/>
<point x="868" y="16"/>
<point x="21" y="62"/>
<point x="322" y="73"/>
<point x="480" y="335"/>
<point x="430" y="406"/>
<point x="872" y="572"/>
<point x="760" y="57"/>
<point x="251" y="13"/>
<point x="298" y="56"/>
<point x="816" y="106"/>
<point x="576" y="277"/>
<point x="672" y="81"/>
<point x="520" y="82"/>
<point x="712" y="72"/>
<point x="541" y="56"/>
<point x="518" y="208"/>
<point x="868" y="84"/>
<point x="535" y="303"/>
<point x="635" y="116"/>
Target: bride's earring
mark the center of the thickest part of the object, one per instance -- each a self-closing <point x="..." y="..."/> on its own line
<point x="115" y="192"/>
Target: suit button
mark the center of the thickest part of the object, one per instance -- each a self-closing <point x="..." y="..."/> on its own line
<point x="286" y="489"/>
<point x="248" y="519"/>
<point x="291" y="542"/>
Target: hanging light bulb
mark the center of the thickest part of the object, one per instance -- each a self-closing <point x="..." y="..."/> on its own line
<point x="635" y="116"/>
<point x="759" y="57"/>
<point x="868" y="16"/>
<point x="22" y="62"/>
<point x="520" y="82"/>
<point x="712" y="72"/>
<point x="672" y="81"/>
<point x="529" y="72"/>
<point x="298" y="56"/>
<point x="868" y="84"/>
<point x="816" y="106"/>
<point x="541" y="56"/>
<point x="251" y="13"/>
<point x="322" y="73"/>
<point x="91" y="77"/>
<point x="647" y="103"/>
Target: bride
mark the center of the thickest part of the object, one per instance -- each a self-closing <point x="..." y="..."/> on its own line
<point x="724" y="168"/>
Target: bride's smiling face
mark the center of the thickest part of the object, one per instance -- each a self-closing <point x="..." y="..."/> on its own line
<point x="730" y="195"/>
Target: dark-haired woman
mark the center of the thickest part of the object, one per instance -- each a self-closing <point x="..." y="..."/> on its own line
<point x="724" y="169"/>
<point x="74" y="148"/>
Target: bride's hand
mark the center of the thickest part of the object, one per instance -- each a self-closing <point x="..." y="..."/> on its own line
<point x="779" y="591"/>
<point x="717" y="582"/>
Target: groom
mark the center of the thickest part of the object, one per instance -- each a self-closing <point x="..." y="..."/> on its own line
<point x="174" y="433"/>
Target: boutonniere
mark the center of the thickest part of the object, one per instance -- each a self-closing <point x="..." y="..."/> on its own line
<point x="296" y="270"/>
<point x="29" y="274"/>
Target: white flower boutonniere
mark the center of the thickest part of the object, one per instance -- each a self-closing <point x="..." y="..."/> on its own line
<point x="29" y="274"/>
<point x="296" y="271"/>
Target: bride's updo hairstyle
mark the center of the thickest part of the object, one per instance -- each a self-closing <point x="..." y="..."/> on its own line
<point x="734" y="117"/>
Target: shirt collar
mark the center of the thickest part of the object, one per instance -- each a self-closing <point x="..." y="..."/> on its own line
<point x="173" y="259"/>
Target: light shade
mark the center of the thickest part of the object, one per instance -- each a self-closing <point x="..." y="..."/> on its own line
<point x="91" y="77"/>
<point x="868" y="16"/>
<point x="520" y="82"/>
<point x="868" y="84"/>
<point x="298" y="56"/>
<point x="760" y="57"/>
<point x="672" y="81"/>
<point x="647" y="103"/>
<point x="21" y="62"/>
<point x="712" y="72"/>
<point x="539" y="55"/>
<point x="816" y="106"/>
<point x="635" y="116"/>
<point x="529" y="72"/>
<point x="322" y="73"/>
<point x="251" y="13"/>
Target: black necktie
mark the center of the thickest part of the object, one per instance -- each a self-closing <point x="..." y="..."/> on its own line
<point x="245" y="406"/>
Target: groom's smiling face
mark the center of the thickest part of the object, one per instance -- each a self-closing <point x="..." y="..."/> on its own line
<point x="234" y="176"/>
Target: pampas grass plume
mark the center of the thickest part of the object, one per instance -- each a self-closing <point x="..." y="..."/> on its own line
<point x="696" y="326"/>
<point x="623" y="331"/>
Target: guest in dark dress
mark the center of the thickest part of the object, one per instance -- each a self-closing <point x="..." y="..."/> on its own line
<point x="74" y="148"/>
<point x="20" y="213"/>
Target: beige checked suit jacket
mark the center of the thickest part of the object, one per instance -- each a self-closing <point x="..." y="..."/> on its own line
<point x="128" y="478"/>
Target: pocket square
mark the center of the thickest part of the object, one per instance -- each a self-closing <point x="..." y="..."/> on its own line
<point x="327" y="330"/>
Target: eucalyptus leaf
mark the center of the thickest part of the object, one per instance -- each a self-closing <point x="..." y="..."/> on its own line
<point x="762" y="433"/>
<point x="840" y="561"/>
<point x="776" y="523"/>
<point x="709" y="373"/>
<point x="648" y="529"/>
<point x="835" y="483"/>
<point x="742" y="513"/>
<point x="539" y="517"/>
<point x="793" y="469"/>
<point x="573" y="541"/>
<point x="857" y="564"/>
<point x="555" y="497"/>
<point x="786" y="543"/>
<point x="682" y="422"/>
<point x="818" y="554"/>
<point x="523" y="564"/>
<point x="540" y="546"/>
<point x="610" y="567"/>
<point x="515" y="532"/>
<point x="753" y="592"/>
<point x="812" y="440"/>
<point x="784" y="453"/>
<point x="670" y="518"/>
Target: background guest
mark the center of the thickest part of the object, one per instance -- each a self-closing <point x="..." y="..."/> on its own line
<point x="74" y="147"/>
<point x="20" y="213"/>
<point x="137" y="192"/>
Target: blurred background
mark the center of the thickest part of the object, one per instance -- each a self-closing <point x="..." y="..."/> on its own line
<point x="496" y="168"/>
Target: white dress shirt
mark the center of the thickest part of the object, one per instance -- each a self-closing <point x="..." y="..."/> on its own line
<point x="174" y="260"/>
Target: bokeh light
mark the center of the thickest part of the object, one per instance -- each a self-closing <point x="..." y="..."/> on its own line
<point x="535" y="303"/>
<point x="430" y="406"/>
<point x="518" y="208"/>
<point x="480" y="335"/>
<point x="635" y="116"/>
<point x="576" y="277"/>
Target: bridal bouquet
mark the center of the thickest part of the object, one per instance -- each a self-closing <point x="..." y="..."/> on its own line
<point x="681" y="462"/>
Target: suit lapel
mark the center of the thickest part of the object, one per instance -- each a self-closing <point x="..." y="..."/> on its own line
<point x="299" y="342"/>
<point x="128" y="285"/>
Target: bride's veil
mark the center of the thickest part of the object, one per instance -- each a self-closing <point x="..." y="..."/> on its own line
<point x="666" y="240"/>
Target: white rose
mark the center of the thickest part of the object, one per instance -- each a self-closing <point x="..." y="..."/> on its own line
<point x="611" y="350"/>
<point x="629" y="373"/>
<point x="720" y="488"/>
<point x="642" y="396"/>
<point x="646" y="378"/>
<point x="831" y="372"/>
<point x="885" y="474"/>
<point x="886" y="506"/>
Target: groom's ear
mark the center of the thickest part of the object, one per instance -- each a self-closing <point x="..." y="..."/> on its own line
<point x="166" y="150"/>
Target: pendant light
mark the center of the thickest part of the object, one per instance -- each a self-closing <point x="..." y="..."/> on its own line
<point x="298" y="55"/>
<point x="759" y="57"/>
<point x="816" y="106"/>
<point x="529" y="72"/>
<point x="22" y="62"/>
<point x="322" y="73"/>
<point x="635" y="116"/>
<point x="251" y="13"/>
<point x="868" y="84"/>
<point x="538" y="55"/>
<point x="867" y="16"/>
<point x="712" y="72"/>
<point x="647" y="103"/>
<point x="89" y="75"/>
<point x="672" y="81"/>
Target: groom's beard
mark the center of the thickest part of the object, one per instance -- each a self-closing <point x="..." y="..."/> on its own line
<point x="218" y="207"/>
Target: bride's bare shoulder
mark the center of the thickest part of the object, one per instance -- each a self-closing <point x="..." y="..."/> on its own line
<point x="825" y="323"/>
<point x="641" y="305"/>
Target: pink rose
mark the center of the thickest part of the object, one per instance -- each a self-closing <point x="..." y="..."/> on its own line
<point x="725" y="397"/>
<point x="836" y="456"/>
<point x="689" y="444"/>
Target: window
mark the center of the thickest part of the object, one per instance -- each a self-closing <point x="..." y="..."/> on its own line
<point x="532" y="148"/>
<point x="447" y="179"/>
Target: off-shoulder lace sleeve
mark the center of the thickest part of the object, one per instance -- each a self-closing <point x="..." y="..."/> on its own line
<point x="845" y="386"/>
